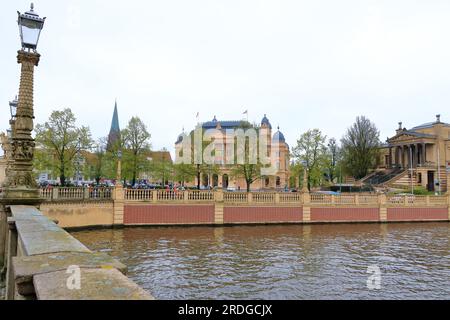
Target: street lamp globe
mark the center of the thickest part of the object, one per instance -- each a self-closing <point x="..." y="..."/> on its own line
<point x="13" y="108"/>
<point x="30" y="26"/>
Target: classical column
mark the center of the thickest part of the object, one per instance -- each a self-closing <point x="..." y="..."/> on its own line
<point x="390" y="158"/>
<point x="418" y="154"/>
<point x="20" y="183"/>
<point x="403" y="156"/>
<point x="396" y="156"/>
<point x="424" y="153"/>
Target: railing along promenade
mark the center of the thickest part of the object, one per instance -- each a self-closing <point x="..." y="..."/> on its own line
<point x="283" y="198"/>
<point x="45" y="262"/>
<point x="74" y="193"/>
<point x="83" y="207"/>
<point x="195" y="196"/>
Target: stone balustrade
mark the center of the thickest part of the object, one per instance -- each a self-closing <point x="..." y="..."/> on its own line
<point x="76" y="193"/>
<point x="44" y="261"/>
<point x="118" y="206"/>
<point x="357" y="199"/>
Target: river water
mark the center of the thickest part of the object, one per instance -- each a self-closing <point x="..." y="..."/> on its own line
<point x="284" y="262"/>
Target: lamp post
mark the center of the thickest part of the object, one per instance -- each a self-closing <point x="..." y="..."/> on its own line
<point x="305" y="177"/>
<point x="119" y="169"/>
<point x="20" y="183"/>
<point x="20" y="186"/>
<point x="411" y="167"/>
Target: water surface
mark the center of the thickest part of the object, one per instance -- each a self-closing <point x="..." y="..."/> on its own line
<point x="283" y="262"/>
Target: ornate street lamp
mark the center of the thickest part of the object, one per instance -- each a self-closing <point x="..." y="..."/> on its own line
<point x="30" y="26"/>
<point x="13" y="108"/>
<point x="20" y="185"/>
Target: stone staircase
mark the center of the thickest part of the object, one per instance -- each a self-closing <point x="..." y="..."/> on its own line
<point x="403" y="180"/>
<point x="379" y="178"/>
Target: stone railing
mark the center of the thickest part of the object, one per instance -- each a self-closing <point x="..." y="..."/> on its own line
<point x="319" y="199"/>
<point x="407" y="200"/>
<point x="236" y="198"/>
<point x="45" y="262"/>
<point x="68" y="193"/>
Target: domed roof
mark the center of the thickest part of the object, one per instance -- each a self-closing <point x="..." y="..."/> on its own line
<point x="266" y="122"/>
<point x="279" y="136"/>
<point x="181" y="137"/>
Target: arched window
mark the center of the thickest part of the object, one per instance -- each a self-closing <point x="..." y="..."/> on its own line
<point x="225" y="181"/>
<point x="215" y="182"/>
<point x="205" y="180"/>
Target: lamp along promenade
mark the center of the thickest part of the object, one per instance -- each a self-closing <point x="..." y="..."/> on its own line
<point x="38" y="259"/>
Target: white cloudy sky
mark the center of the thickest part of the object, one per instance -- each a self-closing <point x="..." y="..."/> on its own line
<point x="306" y="64"/>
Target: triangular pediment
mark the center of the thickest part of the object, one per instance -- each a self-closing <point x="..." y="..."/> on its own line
<point x="408" y="136"/>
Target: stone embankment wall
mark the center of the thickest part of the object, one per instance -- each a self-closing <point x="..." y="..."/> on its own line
<point x="129" y="207"/>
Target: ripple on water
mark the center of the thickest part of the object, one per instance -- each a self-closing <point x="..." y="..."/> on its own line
<point x="283" y="262"/>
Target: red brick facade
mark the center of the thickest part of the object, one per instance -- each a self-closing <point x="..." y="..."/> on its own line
<point x="262" y="214"/>
<point x="345" y="214"/>
<point x="168" y="214"/>
<point x="408" y="214"/>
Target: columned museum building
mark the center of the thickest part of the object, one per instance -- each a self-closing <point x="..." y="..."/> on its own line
<point x="418" y="156"/>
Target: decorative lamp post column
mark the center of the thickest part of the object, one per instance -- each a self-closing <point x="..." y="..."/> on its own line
<point x="20" y="183"/>
<point x="119" y="169"/>
<point x="305" y="177"/>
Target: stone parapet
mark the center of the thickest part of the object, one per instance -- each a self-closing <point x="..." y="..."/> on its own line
<point x="42" y="258"/>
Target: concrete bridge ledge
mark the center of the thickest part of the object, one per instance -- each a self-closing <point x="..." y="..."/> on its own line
<point x="96" y="284"/>
<point x="26" y="267"/>
<point x="43" y="259"/>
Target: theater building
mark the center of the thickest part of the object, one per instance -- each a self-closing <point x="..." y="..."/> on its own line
<point x="277" y="148"/>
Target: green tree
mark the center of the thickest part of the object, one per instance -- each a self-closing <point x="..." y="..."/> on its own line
<point x="136" y="139"/>
<point x="248" y="170"/>
<point x="360" y="147"/>
<point x="162" y="169"/>
<point x="310" y="151"/>
<point x="99" y="159"/>
<point x="331" y="160"/>
<point x="61" y="138"/>
<point x="184" y="173"/>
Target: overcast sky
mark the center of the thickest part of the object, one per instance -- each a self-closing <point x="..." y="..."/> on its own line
<point x="306" y="64"/>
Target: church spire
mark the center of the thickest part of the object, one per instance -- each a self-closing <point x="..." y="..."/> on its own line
<point x="114" y="133"/>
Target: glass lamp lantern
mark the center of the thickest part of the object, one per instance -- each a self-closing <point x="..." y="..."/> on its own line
<point x="30" y="26"/>
<point x="119" y="155"/>
<point x="13" y="108"/>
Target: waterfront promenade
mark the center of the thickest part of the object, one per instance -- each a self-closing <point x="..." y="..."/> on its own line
<point x="77" y="207"/>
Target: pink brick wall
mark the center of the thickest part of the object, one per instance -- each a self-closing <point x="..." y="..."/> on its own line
<point x="169" y="214"/>
<point x="262" y="214"/>
<point x="405" y="214"/>
<point x="345" y="214"/>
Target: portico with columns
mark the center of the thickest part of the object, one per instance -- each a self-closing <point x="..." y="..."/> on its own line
<point x="423" y="152"/>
